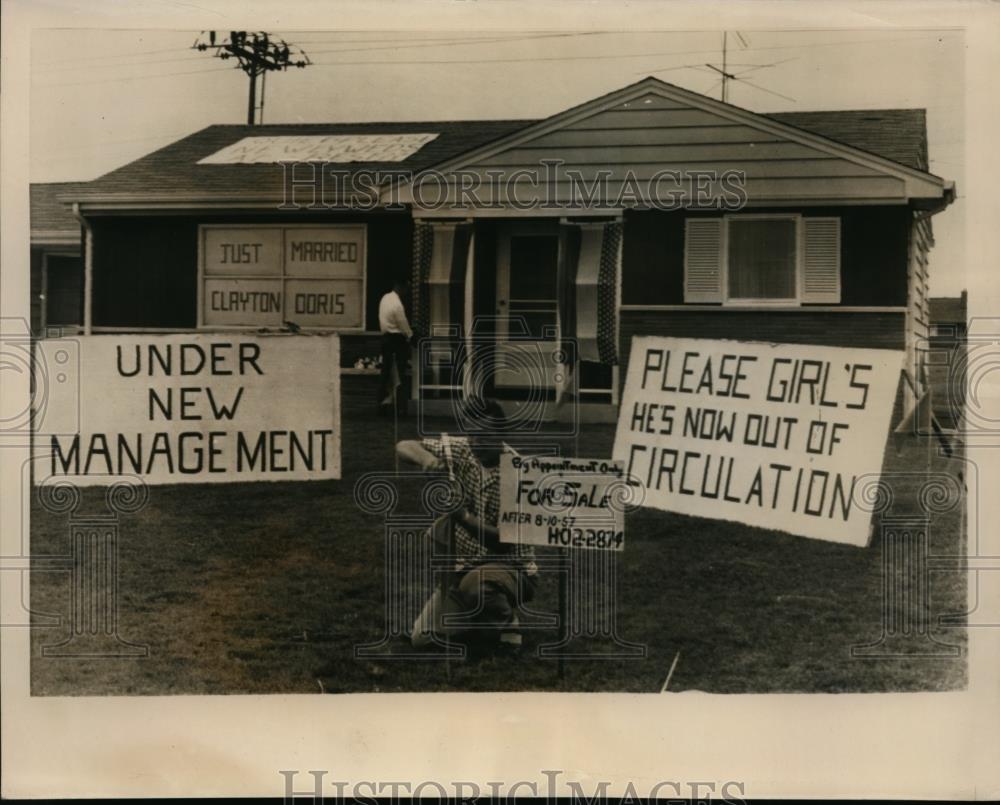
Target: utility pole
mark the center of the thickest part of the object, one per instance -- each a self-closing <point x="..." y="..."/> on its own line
<point x="257" y="54"/>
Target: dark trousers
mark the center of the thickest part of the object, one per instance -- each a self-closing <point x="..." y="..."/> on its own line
<point x="483" y="602"/>
<point x="395" y="351"/>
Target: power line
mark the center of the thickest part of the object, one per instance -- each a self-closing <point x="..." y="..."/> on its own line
<point x="603" y="57"/>
<point x="764" y="89"/>
<point x="506" y="60"/>
<point x="120" y="64"/>
<point x="460" y="42"/>
<point x="414" y="36"/>
<point x="424" y="43"/>
<point x="613" y="56"/>
<point x="809" y="45"/>
<point x="705" y="68"/>
<point x="76" y="59"/>
<point x="484" y="38"/>
<point x="451" y="42"/>
<point x="71" y="64"/>
<point x="752" y="67"/>
<point x="131" y="78"/>
<point x="597" y="57"/>
<point x="677" y="67"/>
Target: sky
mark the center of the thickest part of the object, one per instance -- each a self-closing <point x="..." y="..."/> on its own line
<point x="102" y="98"/>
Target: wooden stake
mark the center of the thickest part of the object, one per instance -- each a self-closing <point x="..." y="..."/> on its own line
<point x="670" y="673"/>
<point x="563" y="615"/>
<point x="395" y="434"/>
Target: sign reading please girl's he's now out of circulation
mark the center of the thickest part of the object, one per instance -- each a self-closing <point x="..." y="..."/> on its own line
<point x="779" y="436"/>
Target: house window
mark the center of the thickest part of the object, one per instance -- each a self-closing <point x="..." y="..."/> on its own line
<point x="63" y="290"/>
<point x="762" y="259"/>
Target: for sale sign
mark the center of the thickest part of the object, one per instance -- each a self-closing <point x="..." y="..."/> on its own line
<point x="564" y="503"/>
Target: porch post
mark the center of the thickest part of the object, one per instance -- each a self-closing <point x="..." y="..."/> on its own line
<point x="468" y="376"/>
<point x="88" y="270"/>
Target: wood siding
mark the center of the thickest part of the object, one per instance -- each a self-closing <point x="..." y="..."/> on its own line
<point x="874" y="330"/>
<point x="918" y="306"/>
<point x="919" y="277"/>
<point x="650" y="134"/>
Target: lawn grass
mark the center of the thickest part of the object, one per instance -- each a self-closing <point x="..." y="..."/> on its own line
<point x="267" y="588"/>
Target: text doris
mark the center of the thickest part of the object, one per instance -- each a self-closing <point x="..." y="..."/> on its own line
<point x="270" y="302"/>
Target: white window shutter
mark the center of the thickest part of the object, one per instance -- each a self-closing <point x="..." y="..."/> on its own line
<point x="821" y="264"/>
<point x="703" y="260"/>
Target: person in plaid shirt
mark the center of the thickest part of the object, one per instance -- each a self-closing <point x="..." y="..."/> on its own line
<point x="492" y="579"/>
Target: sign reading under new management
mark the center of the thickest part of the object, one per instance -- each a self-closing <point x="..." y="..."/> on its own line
<point x="774" y="435"/>
<point x="263" y="276"/>
<point x="565" y="503"/>
<point x="194" y="409"/>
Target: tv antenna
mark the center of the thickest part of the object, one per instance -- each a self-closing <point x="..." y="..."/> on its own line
<point x="744" y="70"/>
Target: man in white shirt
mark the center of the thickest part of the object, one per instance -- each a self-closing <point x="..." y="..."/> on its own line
<point x="396" y="335"/>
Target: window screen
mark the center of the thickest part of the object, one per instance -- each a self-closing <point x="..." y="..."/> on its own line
<point x="762" y="259"/>
<point x="534" y="284"/>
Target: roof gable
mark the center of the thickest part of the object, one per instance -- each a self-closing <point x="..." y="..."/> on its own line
<point x="635" y="140"/>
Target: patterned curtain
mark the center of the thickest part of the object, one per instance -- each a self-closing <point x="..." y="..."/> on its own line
<point x="591" y="292"/>
<point x="607" y="293"/>
<point x="423" y="250"/>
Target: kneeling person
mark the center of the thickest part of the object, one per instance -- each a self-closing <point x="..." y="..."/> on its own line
<point x="491" y="579"/>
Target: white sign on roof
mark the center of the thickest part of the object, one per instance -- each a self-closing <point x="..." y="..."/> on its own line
<point x="320" y="148"/>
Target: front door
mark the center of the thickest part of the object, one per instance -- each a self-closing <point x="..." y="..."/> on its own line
<point x="527" y="311"/>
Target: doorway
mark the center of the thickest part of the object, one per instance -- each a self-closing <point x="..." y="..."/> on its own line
<point x="529" y="256"/>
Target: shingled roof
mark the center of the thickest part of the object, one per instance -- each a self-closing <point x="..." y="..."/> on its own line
<point x="174" y="169"/>
<point x="896" y="134"/>
<point x="51" y="218"/>
<point x="949" y="309"/>
<point x="899" y="135"/>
